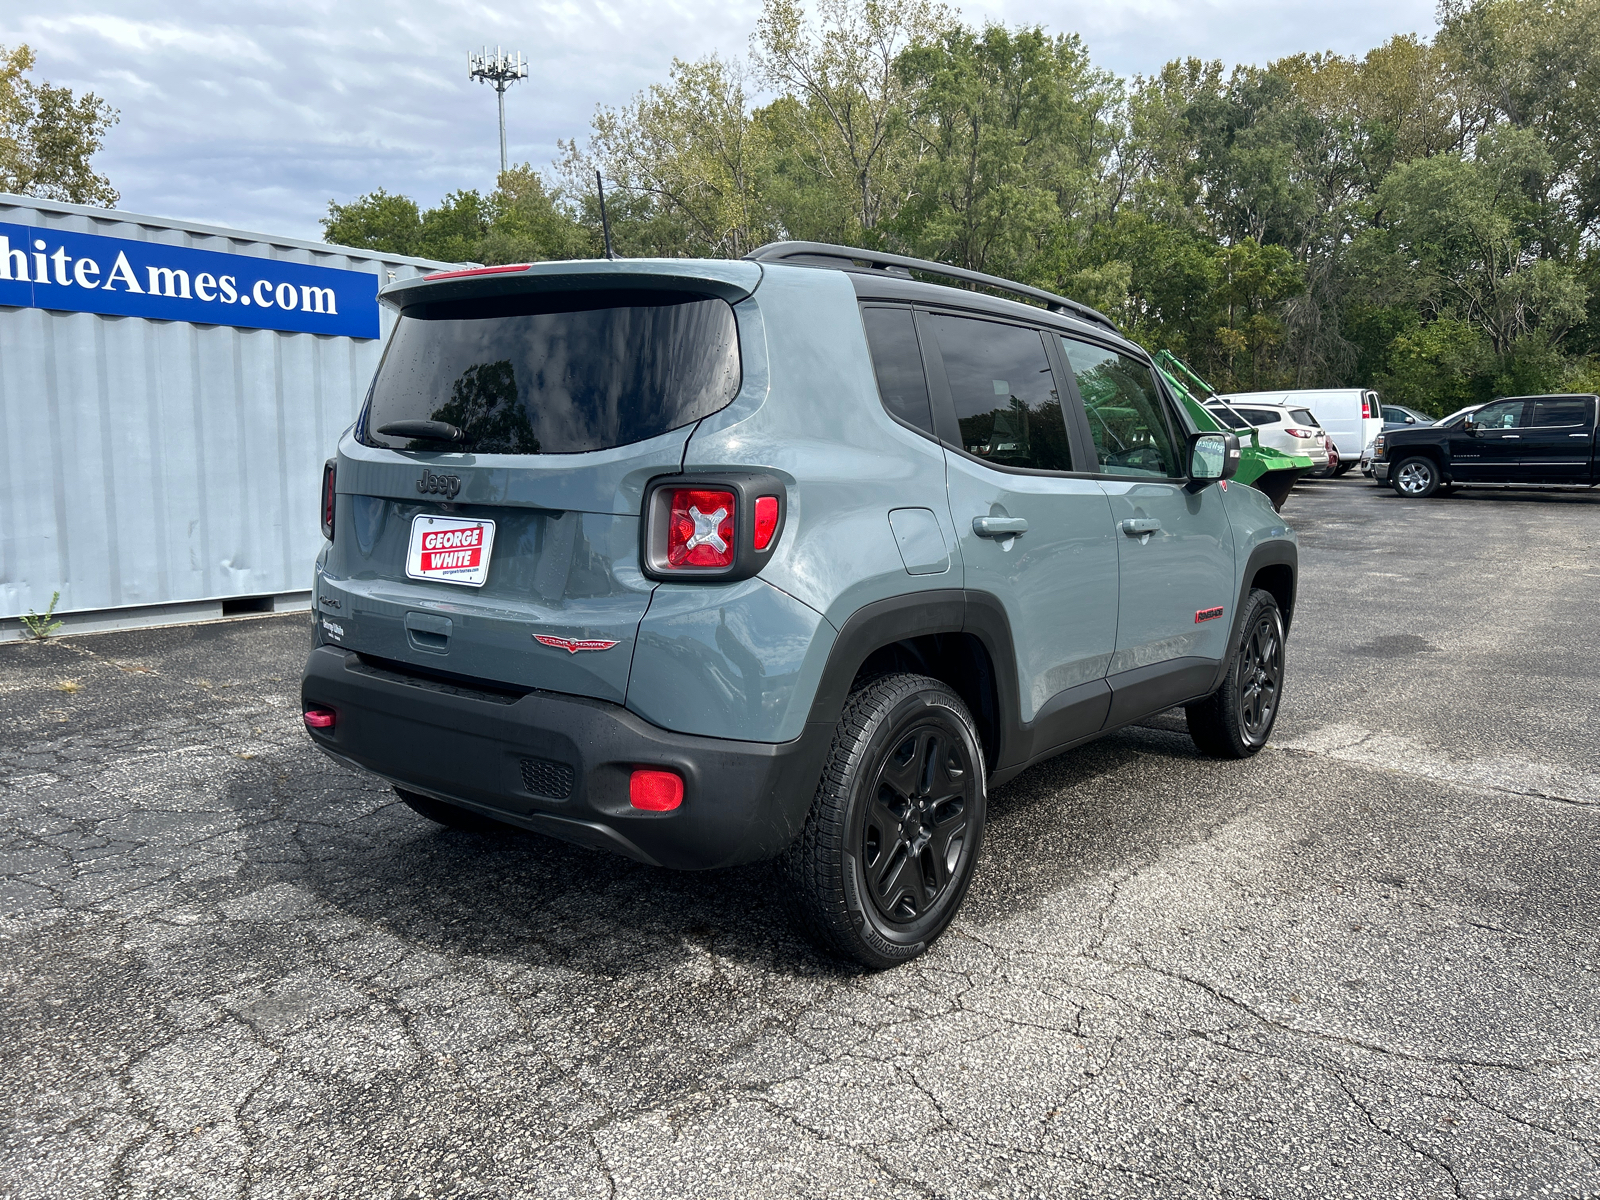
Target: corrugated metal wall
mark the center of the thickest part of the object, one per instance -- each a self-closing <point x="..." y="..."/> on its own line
<point x="159" y="462"/>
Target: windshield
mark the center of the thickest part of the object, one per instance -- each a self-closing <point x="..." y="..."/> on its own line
<point x="553" y="373"/>
<point x="1458" y="414"/>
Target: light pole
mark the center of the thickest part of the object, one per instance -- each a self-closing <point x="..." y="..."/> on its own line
<point x="502" y="70"/>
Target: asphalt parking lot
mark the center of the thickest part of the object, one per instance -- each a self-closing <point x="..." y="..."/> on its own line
<point x="1363" y="964"/>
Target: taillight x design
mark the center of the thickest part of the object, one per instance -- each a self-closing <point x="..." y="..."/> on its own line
<point x="722" y="526"/>
<point x="700" y="528"/>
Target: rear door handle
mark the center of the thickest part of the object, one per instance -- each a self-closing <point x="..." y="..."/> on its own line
<point x="999" y="527"/>
<point x="1140" y="526"/>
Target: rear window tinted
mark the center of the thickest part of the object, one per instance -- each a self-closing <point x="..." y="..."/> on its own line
<point x="1302" y="416"/>
<point x="556" y="374"/>
<point x="1563" y="410"/>
<point x="897" y="362"/>
<point x="1004" y="393"/>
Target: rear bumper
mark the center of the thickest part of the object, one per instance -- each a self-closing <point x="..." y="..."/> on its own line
<point x="560" y="764"/>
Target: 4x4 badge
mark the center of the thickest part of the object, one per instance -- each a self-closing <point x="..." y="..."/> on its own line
<point x="570" y="646"/>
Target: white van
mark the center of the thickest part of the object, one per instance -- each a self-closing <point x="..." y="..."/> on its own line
<point x="1351" y="416"/>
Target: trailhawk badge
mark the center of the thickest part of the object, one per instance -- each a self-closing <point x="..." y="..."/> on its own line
<point x="570" y="646"/>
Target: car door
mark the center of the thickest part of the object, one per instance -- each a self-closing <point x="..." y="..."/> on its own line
<point x="1558" y="440"/>
<point x="1488" y="444"/>
<point x="1034" y="528"/>
<point x="1175" y="545"/>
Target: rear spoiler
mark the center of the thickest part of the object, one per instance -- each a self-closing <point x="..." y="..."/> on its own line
<point x="732" y="281"/>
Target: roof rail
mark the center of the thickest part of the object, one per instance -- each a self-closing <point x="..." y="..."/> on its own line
<point x="851" y="258"/>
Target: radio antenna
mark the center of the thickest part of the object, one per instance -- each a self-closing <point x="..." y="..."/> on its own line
<point x="605" y="225"/>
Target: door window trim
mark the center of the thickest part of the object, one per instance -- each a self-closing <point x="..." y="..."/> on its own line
<point x="1178" y="427"/>
<point x="944" y="407"/>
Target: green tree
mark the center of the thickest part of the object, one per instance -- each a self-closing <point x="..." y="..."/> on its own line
<point x="48" y="136"/>
<point x="1016" y="135"/>
<point x="687" y="151"/>
<point x="376" y="221"/>
<point x="843" y="123"/>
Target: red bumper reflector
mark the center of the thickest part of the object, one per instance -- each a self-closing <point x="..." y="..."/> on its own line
<point x="766" y="520"/>
<point x="655" y="791"/>
<point x="319" y="718"/>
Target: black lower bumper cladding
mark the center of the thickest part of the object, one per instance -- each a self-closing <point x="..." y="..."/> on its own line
<point x="560" y="764"/>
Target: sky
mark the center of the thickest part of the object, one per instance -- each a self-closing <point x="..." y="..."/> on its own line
<point x="254" y="114"/>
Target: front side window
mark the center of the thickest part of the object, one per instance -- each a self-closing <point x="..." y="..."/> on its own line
<point x="1505" y="414"/>
<point x="1004" y="392"/>
<point x="897" y="362"/>
<point x="1577" y="411"/>
<point x="1126" y="419"/>
<point x="555" y="373"/>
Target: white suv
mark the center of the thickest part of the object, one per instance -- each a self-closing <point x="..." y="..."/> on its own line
<point x="1285" y="427"/>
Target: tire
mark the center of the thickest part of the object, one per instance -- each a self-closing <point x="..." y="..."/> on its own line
<point x="1344" y="468"/>
<point x="890" y="843"/>
<point x="1415" y="478"/>
<point x="451" y="815"/>
<point x="1236" y="720"/>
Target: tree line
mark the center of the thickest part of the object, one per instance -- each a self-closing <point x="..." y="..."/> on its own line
<point x="1422" y="219"/>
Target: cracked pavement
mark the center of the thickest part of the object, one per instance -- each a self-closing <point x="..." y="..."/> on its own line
<point x="1362" y="964"/>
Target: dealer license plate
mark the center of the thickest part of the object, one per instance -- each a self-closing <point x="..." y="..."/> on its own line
<point x="450" y="550"/>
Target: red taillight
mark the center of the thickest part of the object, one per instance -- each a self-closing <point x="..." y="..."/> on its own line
<point x="766" y="520"/>
<point x="655" y="791"/>
<point x="700" y="527"/>
<point x="1293" y="431"/>
<point x="1366" y="410"/>
<point x="327" y="499"/>
<point x="476" y="271"/>
<point x="319" y="718"/>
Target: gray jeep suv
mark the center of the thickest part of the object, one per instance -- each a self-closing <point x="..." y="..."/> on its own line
<point x="793" y="557"/>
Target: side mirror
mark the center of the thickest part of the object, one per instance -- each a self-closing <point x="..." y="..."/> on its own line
<point x="1469" y="424"/>
<point x="1212" y="456"/>
<point x="1411" y="420"/>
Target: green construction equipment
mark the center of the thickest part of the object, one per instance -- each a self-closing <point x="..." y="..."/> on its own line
<point x="1271" y="472"/>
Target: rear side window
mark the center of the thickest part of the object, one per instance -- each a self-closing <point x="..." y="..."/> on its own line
<point x="559" y="373"/>
<point x="1564" y="410"/>
<point x="1004" y="393"/>
<point x="1303" y="416"/>
<point x="897" y="362"/>
<point x="1126" y="418"/>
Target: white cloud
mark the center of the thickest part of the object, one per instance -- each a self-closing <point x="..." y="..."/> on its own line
<point x="255" y="113"/>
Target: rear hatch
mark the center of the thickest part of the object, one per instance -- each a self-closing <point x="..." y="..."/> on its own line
<point x="488" y="497"/>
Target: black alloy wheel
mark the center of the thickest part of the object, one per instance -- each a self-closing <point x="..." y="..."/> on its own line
<point x="915" y="823"/>
<point x="1260" y="677"/>
<point x="890" y="843"/>
<point x="1236" y="720"/>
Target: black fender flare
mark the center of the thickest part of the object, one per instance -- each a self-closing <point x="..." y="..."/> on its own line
<point x="918" y="614"/>
<point x="1277" y="552"/>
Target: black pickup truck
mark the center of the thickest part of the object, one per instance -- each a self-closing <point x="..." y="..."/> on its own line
<point x="1520" y="439"/>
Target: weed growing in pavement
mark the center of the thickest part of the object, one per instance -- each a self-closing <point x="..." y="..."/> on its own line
<point x="70" y="686"/>
<point x="42" y="626"/>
